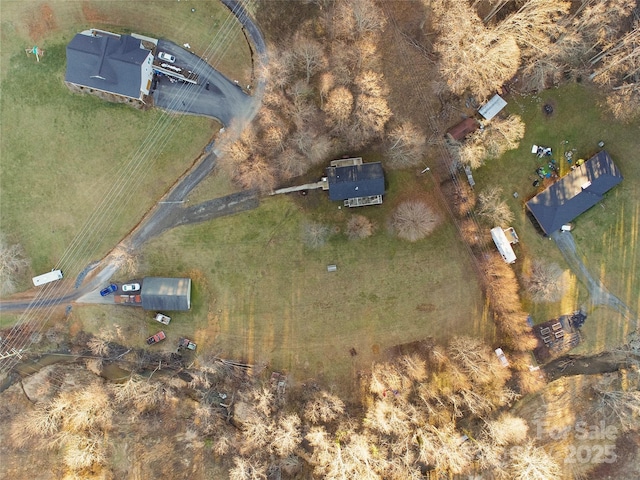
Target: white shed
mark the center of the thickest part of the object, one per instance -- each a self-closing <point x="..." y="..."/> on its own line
<point x="492" y="107"/>
<point x="503" y="244"/>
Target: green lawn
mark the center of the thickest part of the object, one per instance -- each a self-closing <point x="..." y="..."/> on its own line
<point x="262" y="296"/>
<point x="606" y="235"/>
<point x="69" y="161"/>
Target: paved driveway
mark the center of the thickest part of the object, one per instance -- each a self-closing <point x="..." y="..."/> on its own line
<point x="221" y="101"/>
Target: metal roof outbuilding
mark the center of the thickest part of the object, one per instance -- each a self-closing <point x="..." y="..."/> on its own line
<point x="167" y="294"/>
<point x="492" y="107"/>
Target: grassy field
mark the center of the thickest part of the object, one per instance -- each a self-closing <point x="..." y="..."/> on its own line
<point x="64" y="154"/>
<point x="606" y="235"/>
<point x="262" y="296"/>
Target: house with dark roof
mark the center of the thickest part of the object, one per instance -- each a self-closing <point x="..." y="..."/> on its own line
<point x="575" y="193"/>
<point x="115" y="67"/>
<point x="356" y="183"/>
<point x="166" y="294"/>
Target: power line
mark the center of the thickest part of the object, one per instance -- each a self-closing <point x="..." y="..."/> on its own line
<point x="115" y="200"/>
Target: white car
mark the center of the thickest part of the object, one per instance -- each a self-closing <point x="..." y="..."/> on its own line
<point x="130" y="287"/>
<point x="166" y="57"/>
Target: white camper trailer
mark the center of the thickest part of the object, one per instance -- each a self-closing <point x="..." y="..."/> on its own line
<point x="51" y="276"/>
<point x="504" y="246"/>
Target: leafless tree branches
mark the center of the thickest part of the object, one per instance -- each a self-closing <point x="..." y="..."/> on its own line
<point x="414" y="220"/>
<point x="406" y="145"/>
<point x="546" y="282"/>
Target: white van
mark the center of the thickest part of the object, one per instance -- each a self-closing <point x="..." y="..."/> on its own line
<point x="48" y="277"/>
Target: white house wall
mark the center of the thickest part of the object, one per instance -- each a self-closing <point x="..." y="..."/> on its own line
<point x="146" y="75"/>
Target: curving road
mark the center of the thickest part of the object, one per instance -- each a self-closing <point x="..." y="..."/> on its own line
<point x="238" y="109"/>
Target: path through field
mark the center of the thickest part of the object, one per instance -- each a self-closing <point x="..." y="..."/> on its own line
<point x="597" y="291"/>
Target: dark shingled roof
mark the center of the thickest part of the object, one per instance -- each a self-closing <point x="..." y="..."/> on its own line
<point x="575" y="193"/>
<point x="166" y="294"/>
<point x="355" y="181"/>
<point x="108" y="63"/>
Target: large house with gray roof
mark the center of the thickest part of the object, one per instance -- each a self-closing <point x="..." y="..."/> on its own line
<point x="575" y="193"/>
<point x="115" y="67"/>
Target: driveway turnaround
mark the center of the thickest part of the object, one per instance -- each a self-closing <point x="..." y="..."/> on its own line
<point x="214" y="96"/>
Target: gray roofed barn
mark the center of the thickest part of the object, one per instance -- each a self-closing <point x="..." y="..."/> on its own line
<point x="492" y="107"/>
<point x="355" y="181"/>
<point x="575" y="193"/>
<point x="168" y="294"/>
<point x="110" y="63"/>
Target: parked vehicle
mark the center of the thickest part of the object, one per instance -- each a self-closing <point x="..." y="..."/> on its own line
<point x="166" y="57"/>
<point x="130" y="287"/>
<point x="186" y="343"/>
<point x="503" y="359"/>
<point x="109" y="290"/>
<point x="162" y="318"/>
<point x="51" y="276"/>
<point x="158" y="337"/>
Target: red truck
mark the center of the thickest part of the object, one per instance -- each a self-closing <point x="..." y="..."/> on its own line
<point x="158" y="337"/>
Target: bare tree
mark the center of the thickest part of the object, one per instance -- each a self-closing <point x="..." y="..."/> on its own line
<point x="507" y="430"/>
<point x="237" y="153"/>
<point x="546" y="282"/>
<point x="357" y="18"/>
<point x="529" y="462"/>
<point x="98" y="346"/>
<point x="291" y="164"/>
<point x="442" y="447"/>
<point x="315" y="235"/>
<point x="339" y="106"/>
<point x="534" y="25"/>
<point x="371" y="83"/>
<point x="371" y="115"/>
<point x="493" y="208"/>
<point x="406" y="145"/>
<point x="256" y="173"/>
<point x="312" y="144"/>
<point x="492" y="142"/>
<point x="309" y="55"/>
<point x="358" y="227"/>
<point x="472" y="234"/>
<point x="616" y="404"/>
<point x="143" y="394"/>
<point x="245" y="469"/>
<point x="324" y="407"/>
<point x="477" y="361"/>
<point x="624" y="102"/>
<point x="503" y="134"/>
<point x="472" y="57"/>
<point x="286" y="436"/>
<point x="325" y="83"/>
<point x="280" y="67"/>
<point x="388" y="418"/>
<point x="473" y="152"/>
<point x="12" y="264"/>
<point x="414" y="220"/>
